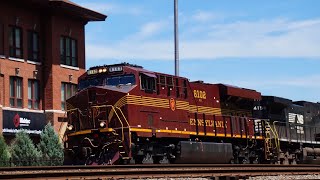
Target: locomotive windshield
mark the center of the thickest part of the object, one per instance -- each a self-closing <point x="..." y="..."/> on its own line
<point x="84" y="83"/>
<point x="124" y="79"/>
<point x="107" y="80"/>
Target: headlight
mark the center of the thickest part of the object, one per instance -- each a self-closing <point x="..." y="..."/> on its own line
<point x="70" y="127"/>
<point x="102" y="124"/>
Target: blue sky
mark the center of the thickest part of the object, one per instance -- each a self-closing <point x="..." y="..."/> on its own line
<point x="271" y="46"/>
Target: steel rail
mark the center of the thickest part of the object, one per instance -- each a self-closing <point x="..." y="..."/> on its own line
<point x="26" y="168"/>
<point x="145" y="171"/>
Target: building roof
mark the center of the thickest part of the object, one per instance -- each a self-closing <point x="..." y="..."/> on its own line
<point x="65" y="7"/>
<point x="78" y="10"/>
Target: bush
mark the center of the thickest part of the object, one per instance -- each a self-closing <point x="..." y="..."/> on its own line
<point x="4" y="153"/>
<point x="50" y="147"/>
<point x="23" y="151"/>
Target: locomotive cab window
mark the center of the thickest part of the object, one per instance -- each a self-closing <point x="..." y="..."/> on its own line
<point x="121" y="80"/>
<point x="148" y="82"/>
<point x="84" y="83"/>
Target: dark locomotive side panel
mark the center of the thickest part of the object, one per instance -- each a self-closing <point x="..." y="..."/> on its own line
<point x="204" y="152"/>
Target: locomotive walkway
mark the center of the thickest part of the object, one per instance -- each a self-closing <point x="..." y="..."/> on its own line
<point x="156" y="171"/>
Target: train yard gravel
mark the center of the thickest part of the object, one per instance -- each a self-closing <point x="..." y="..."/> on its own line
<point x="285" y="177"/>
<point x="280" y="177"/>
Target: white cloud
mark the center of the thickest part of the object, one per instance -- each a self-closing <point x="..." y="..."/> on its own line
<point x="112" y="8"/>
<point x="203" y="16"/>
<point x="150" y="29"/>
<point x="131" y="50"/>
<point x="263" y="38"/>
<point x="295" y="88"/>
<point x="303" y="24"/>
<point x="307" y="81"/>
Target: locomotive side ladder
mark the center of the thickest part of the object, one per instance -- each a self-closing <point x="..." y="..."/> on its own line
<point x="267" y="143"/>
<point x="271" y="142"/>
<point x="124" y="148"/>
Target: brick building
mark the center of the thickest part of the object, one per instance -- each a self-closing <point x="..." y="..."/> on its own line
<point x="42" y="54"/>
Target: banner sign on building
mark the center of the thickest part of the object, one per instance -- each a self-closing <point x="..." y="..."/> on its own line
<point x="14" y="121"/>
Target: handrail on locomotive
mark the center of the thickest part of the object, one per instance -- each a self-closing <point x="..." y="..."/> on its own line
<point x="114" y="110"/>
<point x="118" y="117"/>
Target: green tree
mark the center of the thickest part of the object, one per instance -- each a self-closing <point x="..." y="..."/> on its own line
<point x="50" y="146"/>
<point x="4" y="153"/>
<point x="23" y="151"/>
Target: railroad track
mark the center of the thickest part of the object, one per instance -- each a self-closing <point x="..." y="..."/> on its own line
<point x="155" y="171"/>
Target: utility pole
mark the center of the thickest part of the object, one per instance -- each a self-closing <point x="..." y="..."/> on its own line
<point x="176" y="39"/>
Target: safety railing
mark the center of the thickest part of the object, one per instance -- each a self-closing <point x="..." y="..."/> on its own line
<point x="122" y="120"/>
<point x="114" y="110"/>
<point x="271" y="138"/>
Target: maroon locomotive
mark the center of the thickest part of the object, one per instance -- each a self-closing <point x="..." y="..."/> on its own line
<point x="123" y="112"/>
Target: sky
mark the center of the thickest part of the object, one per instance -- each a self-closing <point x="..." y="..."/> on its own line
<point x="271" y="46"/>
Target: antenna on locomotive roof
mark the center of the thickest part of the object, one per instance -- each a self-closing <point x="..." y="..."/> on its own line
<point x="176" y="39"/>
